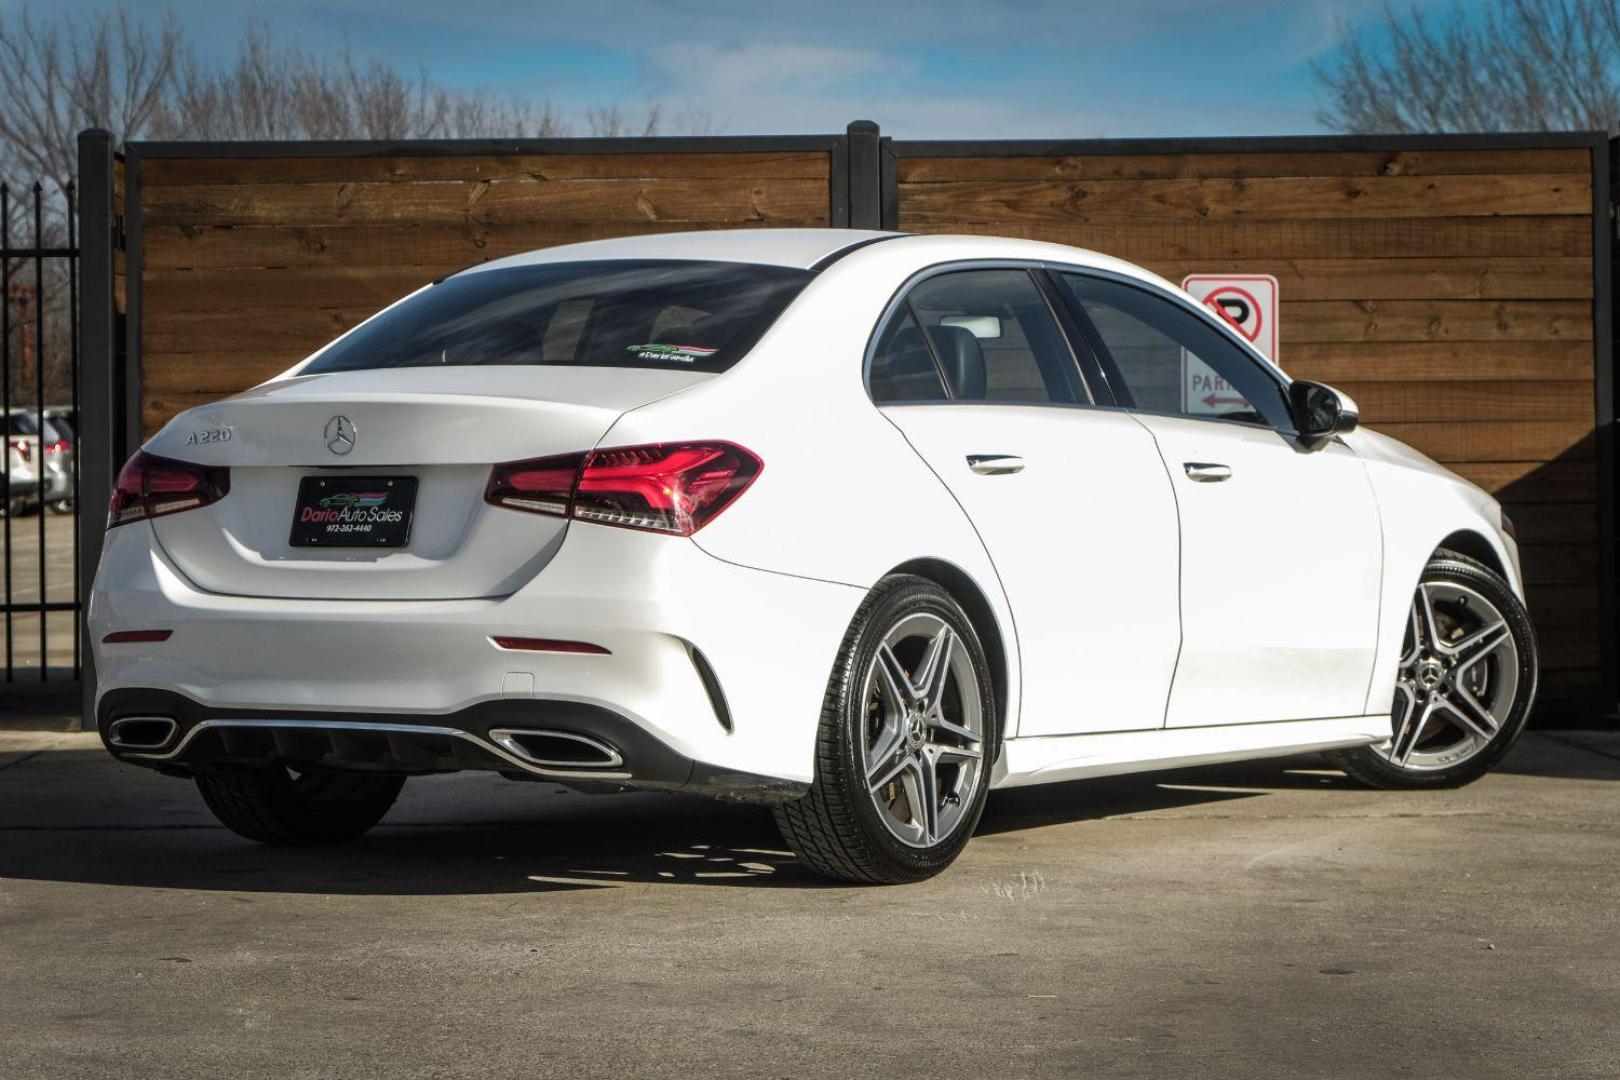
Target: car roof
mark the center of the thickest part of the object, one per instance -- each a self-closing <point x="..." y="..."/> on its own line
<point x="811" y="249"/>
<point x="798" y="248"/>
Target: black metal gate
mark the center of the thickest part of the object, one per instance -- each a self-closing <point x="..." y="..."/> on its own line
<point x="39" y="403"/>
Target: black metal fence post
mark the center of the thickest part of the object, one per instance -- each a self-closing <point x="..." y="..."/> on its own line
<point x="865" y="176"/>
<point x="98" y="369"/>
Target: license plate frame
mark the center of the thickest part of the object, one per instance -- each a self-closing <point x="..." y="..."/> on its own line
<point x="353" y="512"/>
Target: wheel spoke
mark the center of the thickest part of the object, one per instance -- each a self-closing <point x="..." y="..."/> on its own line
<point x="1405" y="713"/>
<point x="894" y="679"/>
<point x="1423" y="613"/>
<point x="940" y="724"/>
<point x="934" y="672"/>
<point x="1478" y="645"/>
<point x="1416" y="726"/>
<point x="884" y="759"/>
<point x="922" y="791"/>
<point x="1413" y="646"/>
<point x="956" y="753"/>
<point x="1470" y="713"/>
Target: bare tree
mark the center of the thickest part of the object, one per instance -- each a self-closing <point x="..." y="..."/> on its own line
<point x="656" y="119"/>
<point x="138" y="79"/>
<point x="1519" y="65"/>
<point x="110" y="72"/>
<point x="141" y="80"/>
<point x="273" y="90"/>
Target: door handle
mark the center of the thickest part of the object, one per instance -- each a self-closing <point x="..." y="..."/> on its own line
<point x="1207" y="472"/>
<point x="995" y="464"/>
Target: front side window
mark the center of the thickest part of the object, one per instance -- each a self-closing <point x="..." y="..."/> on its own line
<point x="993" y="338"/>
<point x="677" y="315"/>
<point x="1169" y="360"/>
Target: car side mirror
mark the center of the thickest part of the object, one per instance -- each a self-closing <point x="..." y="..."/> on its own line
<point x="1321" y="412"/>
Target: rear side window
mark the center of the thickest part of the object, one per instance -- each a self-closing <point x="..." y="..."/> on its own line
<point x="995" y="339"/>
<point x="902" y="367"/>
<point x="679" y="315"/>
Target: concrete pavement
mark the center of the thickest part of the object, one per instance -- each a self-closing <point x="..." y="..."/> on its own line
<point x="1257" y="921"/>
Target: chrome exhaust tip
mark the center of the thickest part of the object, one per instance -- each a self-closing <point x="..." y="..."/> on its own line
<point x="142" y="732"/>
<point x="556" y="749"/>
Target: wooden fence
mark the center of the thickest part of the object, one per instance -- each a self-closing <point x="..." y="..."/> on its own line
<point x="1448" y="288"/>
<point x="1457" y="287"/>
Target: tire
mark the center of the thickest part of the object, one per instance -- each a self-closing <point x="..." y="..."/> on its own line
<point x="315" y="806"/>
<point x="1479" y="698"/>
<point x="874" y="725"/>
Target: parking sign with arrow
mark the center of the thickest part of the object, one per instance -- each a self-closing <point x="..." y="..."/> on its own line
<point x="1248" y="302"/>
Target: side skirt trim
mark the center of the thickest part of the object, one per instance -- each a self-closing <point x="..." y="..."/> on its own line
<point x="1048" y="759"/>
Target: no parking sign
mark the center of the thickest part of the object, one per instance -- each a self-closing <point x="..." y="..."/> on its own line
<point x="1248" y="302"/>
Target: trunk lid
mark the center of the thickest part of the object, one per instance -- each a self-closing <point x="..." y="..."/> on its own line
<point x="443" y="426"/>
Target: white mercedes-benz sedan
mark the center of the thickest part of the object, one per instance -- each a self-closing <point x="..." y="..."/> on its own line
<point x="856" y="525"/>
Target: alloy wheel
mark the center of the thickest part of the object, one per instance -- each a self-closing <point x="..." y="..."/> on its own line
<point x="1458" y="678"/>
<point x="923" y="730"/>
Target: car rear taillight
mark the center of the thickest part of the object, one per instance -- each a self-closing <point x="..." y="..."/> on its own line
<point x="663" y="487"/>
<point x="23" y="449"/>
<point x="60" y="446"/>
<point x="150" y="486"/>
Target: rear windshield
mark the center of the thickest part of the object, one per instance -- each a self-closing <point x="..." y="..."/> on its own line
<point x="690" y="316"/>
<point x="21" y="423"/>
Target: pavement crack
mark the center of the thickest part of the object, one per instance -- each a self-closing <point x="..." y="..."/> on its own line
<point x="29" y="756"/>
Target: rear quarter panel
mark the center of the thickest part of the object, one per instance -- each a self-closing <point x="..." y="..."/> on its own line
<point x="842" y="496"/>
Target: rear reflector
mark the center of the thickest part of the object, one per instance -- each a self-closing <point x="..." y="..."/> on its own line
<point x="150" y="486"/>
<point x="131" y="637"/>
<point x="662" y="487"/>
<point x="536" y="644"/>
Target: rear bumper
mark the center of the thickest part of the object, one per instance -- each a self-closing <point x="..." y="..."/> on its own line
<point x="21" y="488"/>
<point x="58" y="483"/>
<point x="654" y="602"/>
<point x="614" y="752"/>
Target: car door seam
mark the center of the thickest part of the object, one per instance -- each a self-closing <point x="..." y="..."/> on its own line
<point x="1012" y="616"/>
<point x="1181" y="541"/>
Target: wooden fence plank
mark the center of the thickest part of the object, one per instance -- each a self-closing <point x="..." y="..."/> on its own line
<point x="1505" y="440"/>
<point x="919" y="170"/>
<point x="1531" y="482"/>
<point x="1560" y="564"/>
<point x="255" y="247"/>
<point x="1395" y="402"/>
<point x="415" y="168"/>
<point x="1147" y="238"/>
<point x="1436" y="320"/>
<point x="1267" y="198"/>
<point x="1497" y="362"/>
<point x="218" y="332"/>
<point x="708" y="202"/>
<point x="1405" y="279"/>
<point x="278" y="290"/>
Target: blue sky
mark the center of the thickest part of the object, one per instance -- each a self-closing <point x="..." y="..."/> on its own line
<point x="921" y="68"/>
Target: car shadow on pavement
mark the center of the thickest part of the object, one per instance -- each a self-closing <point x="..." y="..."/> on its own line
<point x="75" y="816"/>
<point x="84" y="819"/>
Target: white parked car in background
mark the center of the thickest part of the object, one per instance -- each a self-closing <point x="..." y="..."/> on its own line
<point x="858" y="525"/>
<point x="21" y="482"/>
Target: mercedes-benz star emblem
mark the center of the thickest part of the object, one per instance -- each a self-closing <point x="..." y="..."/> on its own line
<point x="340" y="435"/>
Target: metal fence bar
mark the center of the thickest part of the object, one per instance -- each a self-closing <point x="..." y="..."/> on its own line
<point x="73" y="364"/>
<point x="5" y="410"/>
<point x="39" y="415"/>
<point x="34" y="441"/>
<point x="98" y="368"/>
